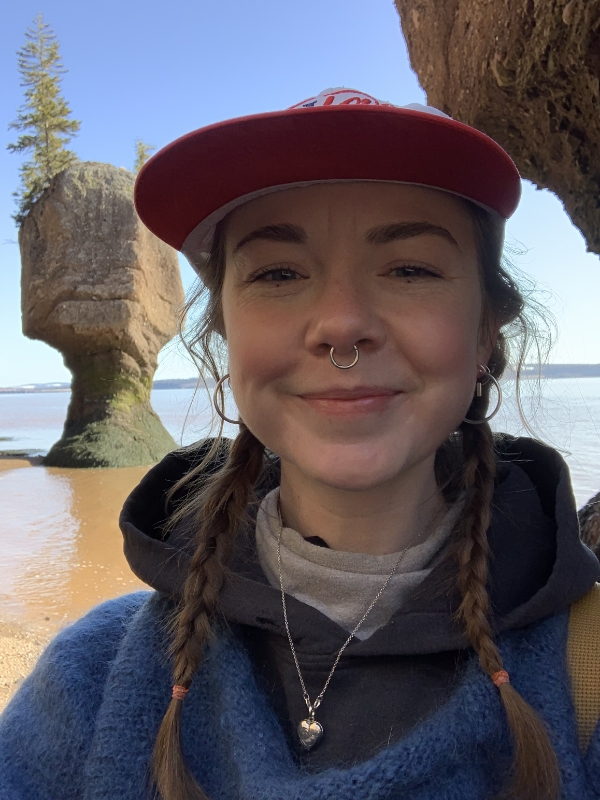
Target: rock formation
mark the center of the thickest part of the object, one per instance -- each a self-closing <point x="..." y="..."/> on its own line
<point x="525" y="72"/>
<point x="102" y="289"/>
<point x="589" y="523"/>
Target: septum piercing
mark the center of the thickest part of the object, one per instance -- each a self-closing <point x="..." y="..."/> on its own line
<point x="341" y="366"/>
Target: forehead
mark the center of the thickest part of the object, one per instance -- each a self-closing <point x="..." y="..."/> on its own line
<point x="360" y="204"/>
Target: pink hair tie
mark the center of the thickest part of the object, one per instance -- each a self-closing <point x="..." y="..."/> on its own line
<point x="179" y="692"/>
<point x="500" y="677"/>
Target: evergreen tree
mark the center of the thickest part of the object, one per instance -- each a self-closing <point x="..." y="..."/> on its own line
<point x="142" y="154"/>
<point x="43" y="118"/>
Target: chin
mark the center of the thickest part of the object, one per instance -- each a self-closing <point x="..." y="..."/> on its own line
<point x="351" y="481"/>
<point x="352" y="467"/>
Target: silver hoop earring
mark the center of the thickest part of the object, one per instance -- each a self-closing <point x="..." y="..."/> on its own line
<point x="339" y="366"/>
<point x="216" y="405"/>
<point x="486" y="374"/>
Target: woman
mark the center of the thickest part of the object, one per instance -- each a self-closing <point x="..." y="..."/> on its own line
<point x="365" y="594"/>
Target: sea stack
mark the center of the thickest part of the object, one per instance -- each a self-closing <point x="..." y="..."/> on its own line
<point x="105" y="292"/>
<point x="528" y="75"/>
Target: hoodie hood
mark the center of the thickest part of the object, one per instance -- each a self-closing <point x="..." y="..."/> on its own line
<point x="538" y="565"/>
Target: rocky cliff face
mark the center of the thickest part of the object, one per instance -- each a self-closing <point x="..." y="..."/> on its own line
<point x="99" y="287"/>
<point x="589" y="523"/>
<point x="526" y="72"/>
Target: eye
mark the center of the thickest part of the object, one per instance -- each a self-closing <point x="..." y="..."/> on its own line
<point x="414" y="272"/>
<point x="279" y="275"/>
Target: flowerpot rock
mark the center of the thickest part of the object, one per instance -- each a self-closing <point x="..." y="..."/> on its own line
<point x="105" y="292"/>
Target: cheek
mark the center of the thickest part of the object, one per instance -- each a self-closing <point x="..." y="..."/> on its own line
<point x="441" y="345"/>
<point x="260" y="351"/>
<point x="444" y="342"/>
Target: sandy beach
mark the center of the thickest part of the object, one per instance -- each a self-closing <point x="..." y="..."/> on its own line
<point x="61" y="554"/>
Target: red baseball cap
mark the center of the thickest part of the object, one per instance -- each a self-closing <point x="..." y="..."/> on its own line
<point x="339" y="135"/>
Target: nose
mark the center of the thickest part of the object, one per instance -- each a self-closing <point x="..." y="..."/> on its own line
<point x="344" y="315"/>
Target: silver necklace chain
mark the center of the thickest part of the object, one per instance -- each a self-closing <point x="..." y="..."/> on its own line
<point x="306" y="738"/>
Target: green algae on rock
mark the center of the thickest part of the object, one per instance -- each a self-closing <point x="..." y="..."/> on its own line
<point x="130" y="441"/>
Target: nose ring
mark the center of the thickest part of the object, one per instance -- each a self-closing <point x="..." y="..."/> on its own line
<point x="339" y="366"/>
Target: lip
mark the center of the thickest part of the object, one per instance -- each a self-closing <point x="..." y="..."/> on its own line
<point x="354" y="402"/>
<point x="344" y="393"/>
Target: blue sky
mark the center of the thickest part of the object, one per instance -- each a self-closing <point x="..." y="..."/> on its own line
<point x="157" y="70"/>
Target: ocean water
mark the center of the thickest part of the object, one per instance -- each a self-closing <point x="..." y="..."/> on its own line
<point x="563" y="413"/>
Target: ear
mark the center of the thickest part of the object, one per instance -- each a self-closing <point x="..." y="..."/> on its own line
<point x="219" y="325"/>
<point x="487" y="340"/>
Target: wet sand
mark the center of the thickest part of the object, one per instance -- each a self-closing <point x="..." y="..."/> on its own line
<point x="7" y="462"/>
<point x="61" y="554"/>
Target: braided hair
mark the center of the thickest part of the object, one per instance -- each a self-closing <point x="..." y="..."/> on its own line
<point x="218" y="504"/>
<point x="535" y="767"/>
<point x="223" y="503"/>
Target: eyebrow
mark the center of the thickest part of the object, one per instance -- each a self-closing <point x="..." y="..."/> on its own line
<point x="383" y="234"/>
<point x="284" y="232"/>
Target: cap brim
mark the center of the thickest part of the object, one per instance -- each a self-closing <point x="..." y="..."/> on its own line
<point x="195" y="177"/>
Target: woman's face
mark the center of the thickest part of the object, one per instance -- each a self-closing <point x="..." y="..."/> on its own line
<point x="392" y="269"/>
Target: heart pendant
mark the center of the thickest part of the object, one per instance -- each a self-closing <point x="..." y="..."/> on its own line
<point x="310" y="732"/>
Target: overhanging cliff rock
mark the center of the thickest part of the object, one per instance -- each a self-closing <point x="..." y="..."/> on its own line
<point x="526" y="72"/>
<point x="102" y="289"/>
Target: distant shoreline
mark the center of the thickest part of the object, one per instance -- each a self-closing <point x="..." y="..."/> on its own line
<point x="36" y="388"/>
<point x="549" y="372"/>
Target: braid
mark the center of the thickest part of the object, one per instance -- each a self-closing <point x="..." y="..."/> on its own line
<point x="223" y="505"/>
<point x="535" y="768"/>
<point x="479" y="473"/>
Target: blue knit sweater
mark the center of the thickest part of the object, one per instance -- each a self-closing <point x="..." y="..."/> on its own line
<point x="83" y="724"/>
